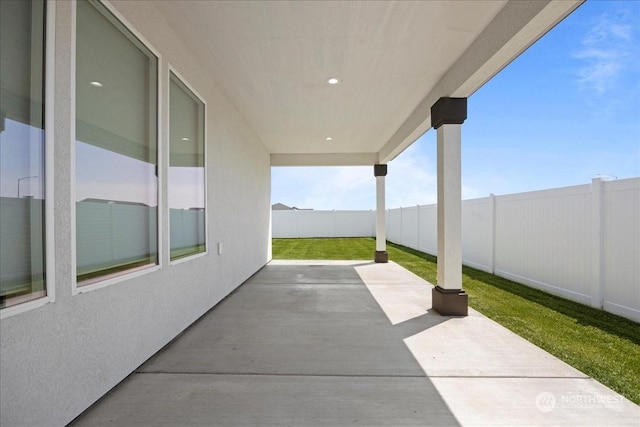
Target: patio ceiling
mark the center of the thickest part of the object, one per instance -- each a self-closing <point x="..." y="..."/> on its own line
<point x="393" y="59"/>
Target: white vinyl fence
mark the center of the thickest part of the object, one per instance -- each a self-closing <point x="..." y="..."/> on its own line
<point x="21" y="242"/>
<point x="307" y="223"/>
<point x="108" y="234"/>
<point x="580" y="242"/>
<point x="115" y="233"/>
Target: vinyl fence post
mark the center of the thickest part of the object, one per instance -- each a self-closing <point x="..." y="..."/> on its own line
<point x="401" y="227"/>
<point x="418" y="228"/>
<point x="492" y="233"/>
<point x="597" y="241"/>
<point x="335" y="225"/>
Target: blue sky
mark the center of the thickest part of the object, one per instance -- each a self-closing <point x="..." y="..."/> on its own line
<point x="565" y="111"/>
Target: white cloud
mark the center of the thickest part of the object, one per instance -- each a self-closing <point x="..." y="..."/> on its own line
<point x="412" y="178"/>
<point x="600" y="75"/>
<point x="605" y="50"/>
<point x="341" y="188"/>
<point x="472" y="193"/>
<point x="324" y="188"/>
<point x="622" y="31"/>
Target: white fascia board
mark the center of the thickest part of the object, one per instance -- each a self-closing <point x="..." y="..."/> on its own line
<point x="516" y="27"/>
<point x="324" y="159"/>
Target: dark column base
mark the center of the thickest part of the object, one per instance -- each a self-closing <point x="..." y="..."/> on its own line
<point x="381" y="257"/>
<point x="450" y="302"/>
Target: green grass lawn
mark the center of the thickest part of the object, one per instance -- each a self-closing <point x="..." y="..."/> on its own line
<point x="602" y="345"/>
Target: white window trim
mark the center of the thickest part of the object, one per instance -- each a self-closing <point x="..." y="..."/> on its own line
<point x="72" y="151"/>
<point x="49" y="120"/>
<point x="171" y="69"/>
<point x="116" y="278"/>
<point x="194" y="256"/>
<point x="127" y="274"/>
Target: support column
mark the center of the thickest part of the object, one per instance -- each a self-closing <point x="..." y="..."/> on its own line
<point x="447" y="116"/>
<point x="381" y="255"/>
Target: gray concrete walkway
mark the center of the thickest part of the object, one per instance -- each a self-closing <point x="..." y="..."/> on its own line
<point x="352" y="343"/>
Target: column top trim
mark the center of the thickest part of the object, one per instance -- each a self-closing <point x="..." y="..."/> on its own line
<point x="380" y="170"/>
<point x="448" y="111"/>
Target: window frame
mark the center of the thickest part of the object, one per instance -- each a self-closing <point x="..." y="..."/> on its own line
<point x="172" y="70"/>
<point x="111" y="279"/>
<point x="49" y="120"/>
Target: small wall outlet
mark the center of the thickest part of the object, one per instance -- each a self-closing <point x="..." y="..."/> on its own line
<point x="219" y="248"/>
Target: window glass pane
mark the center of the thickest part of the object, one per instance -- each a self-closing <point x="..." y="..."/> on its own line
<point x="22" y="247"/>
<point x="116" y="156"/>
<point x="186" y="171"/>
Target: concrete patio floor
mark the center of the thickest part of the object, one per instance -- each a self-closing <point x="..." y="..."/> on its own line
<point x="336" y="343"/>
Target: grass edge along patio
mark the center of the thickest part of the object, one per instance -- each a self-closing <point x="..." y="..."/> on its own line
<point x="604" y="346"/>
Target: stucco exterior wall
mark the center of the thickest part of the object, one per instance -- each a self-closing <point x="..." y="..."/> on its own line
<point x="56" y="360"/>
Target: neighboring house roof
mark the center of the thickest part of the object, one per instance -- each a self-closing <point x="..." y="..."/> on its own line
<point x="283" y="207"/>
<point x="116" y="202"/>
<point x="280" y="207"/>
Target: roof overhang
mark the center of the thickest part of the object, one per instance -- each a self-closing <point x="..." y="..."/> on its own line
<point x="394" y="60"/>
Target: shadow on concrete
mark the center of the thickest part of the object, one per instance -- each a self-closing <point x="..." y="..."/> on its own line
<point x="295" y="345"/>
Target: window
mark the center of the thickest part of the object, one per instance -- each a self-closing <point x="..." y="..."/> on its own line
<point x="186" y="171"/>
<point x="22" y="155"/>
<point x="116" y="148"/>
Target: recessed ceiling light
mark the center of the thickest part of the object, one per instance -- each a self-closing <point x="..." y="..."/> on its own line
<point x="333" y="81"/>
<point x="328" y="138"/>
<point x="96" y="84"/>
<point x="184" y="138"/>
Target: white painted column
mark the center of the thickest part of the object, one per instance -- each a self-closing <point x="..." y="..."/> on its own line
<point x="449" y="207"/>
<point x="380" y="172"/>
<point x="381" y="232"/>
<point x="447" y="116"/>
